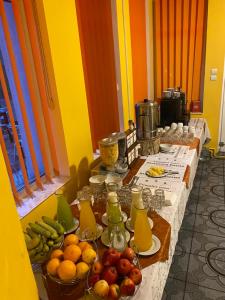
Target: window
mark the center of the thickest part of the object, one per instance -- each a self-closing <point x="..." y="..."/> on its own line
<point x="26" y="126"/>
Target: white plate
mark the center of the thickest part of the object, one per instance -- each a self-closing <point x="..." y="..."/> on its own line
<point x="105" y="219"/>
<point x="99" y="232"/>
<point x="132" y="230"/>
<point x="105" y="238"/>
<point x="156" y="244"/>
<point x="159" y="176"/>
<point x="76" y="224"/>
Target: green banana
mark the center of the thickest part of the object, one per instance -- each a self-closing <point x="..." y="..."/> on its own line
<point x="32" y="243"/>
<point x="38" y="229"/>
<point x="32" y="233"/>
<point x="39" y="247"/>
<point x="57" y="226"/>
<point x="54" y="234"/>
<point x="50" y="243"/>
<point x="32" y="253"/>
<point x="45" y="248"/>
<point x="37" y="258"/>
<point x="55" y="246"/>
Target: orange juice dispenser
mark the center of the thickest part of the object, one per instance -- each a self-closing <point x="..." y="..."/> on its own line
<point x="109" y="152"/>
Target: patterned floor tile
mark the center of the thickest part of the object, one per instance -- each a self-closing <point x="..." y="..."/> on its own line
<point x="211" y="180"/>
<point x="179" y="266"/>
<point x="184" y="241"/>
<point x="204" y="268"/>
<point x="208" y="192"/>
<point x="191" y="206"/>
<point x="194" y="193"/>
<point x="188" y="221"/>
<point x="203" y="243"/>
<point x="195" y="292"/>
<point x="207" y="225"/>
<point x="174" y="290"/>
<point x="206" y="272"/>
<point x="208" y="206"/>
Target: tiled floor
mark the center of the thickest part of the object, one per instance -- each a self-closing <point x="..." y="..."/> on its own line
<point x="198" y="268"/>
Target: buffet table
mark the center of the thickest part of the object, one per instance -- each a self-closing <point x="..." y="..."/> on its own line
<point x="184" y="161"/>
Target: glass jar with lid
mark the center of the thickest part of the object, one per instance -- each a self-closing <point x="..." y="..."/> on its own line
<point x="109" y="152"/>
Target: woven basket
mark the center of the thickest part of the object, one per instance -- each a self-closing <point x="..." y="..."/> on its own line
<point x="149" y="147"/>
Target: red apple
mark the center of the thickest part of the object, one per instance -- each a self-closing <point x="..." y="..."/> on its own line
<point x="123" y="266"/>
<point x="93" y="279"/>
<point x="110" y="257"/>
<point x="129" y="254"/>
<point x="127" y="287"/>
<point x="114" y="292"/>
<point x="110" y="274"/>
<point x="135" y="275"/>
<point x="97" y="268"/>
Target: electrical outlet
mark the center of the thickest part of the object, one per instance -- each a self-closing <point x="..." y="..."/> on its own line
<point x="213" y="77"/>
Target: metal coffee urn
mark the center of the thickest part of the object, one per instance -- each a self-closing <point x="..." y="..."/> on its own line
<point x="147" y="119"/>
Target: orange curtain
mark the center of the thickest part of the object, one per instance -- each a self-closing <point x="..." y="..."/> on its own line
<point x="97" y="45"/>
<point x="179" y="33"/>
<point x="138" y="45"/>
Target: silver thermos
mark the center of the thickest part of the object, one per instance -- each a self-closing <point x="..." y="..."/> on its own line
<point x="147" y="119"/>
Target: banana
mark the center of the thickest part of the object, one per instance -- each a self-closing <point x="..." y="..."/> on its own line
<point x="57" y="226"/>
<point x="54" y="234"/>
<point x="38" y="229"/>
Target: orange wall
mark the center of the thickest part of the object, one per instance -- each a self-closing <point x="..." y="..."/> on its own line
<point x="138" y="45"/>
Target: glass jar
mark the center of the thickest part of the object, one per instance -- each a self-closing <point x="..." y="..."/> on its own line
<point x="142" y="228"/>
<point x="88" y="228"/>
<point x="109" y="152"/>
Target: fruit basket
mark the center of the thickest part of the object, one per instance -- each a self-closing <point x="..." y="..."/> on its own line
<point x="70" y="264"/>
<point x="115" y="276"/>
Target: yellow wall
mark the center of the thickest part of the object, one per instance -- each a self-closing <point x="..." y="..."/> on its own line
<point x="215" y="51"/>
<point x="123" y="25"/>
<point x="17" y="281"/>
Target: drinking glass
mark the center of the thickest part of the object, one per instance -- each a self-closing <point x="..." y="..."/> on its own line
<point x="159" y="199"/>
<point x="112" y="187"/>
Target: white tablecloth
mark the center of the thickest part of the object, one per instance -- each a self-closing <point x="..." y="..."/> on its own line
<point x="155" y="276"/>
